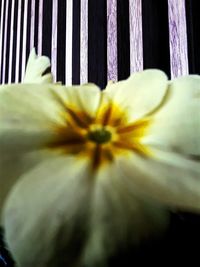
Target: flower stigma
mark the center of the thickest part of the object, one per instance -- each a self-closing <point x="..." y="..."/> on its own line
<point x="100" y="136"/>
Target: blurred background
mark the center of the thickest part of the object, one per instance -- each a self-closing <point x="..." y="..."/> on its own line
<point x="101" y="40"/>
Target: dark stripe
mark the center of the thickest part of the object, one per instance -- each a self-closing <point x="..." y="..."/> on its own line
<point x="47" y="28"/>
<point x="8" y="42"/>
<point x="3" y="36"/>
<point x="97" y="42"/>
<point x="21" y="40"/>
<point x="28" y="30"/>
<point x="193" y="30"/>
<point x="156" y="35"/>
<point x="61" y="40"/>
<point x="14" y="40"/>
<point x="123" y="39"/>
<point x="76" y="43"/>
<point x="36" y="24"/>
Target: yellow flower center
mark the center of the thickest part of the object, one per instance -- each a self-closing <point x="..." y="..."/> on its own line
<point x="102" y="137"/>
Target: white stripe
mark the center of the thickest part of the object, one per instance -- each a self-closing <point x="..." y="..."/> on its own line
<point x="11" y="43"/>
<point x="5" y="44"/>
<point x="54" y="39"/>
<point x="18" y="42"/>
<point x="32" y="24"/>
<point x="84" y="42"/>
<point x="24" y="38"/>
<point x="68" y="60"/>
<point x="136" y="43"/>
<point x="40" y="27"/>
<point x="178" y="38"/>
<point x="112" y="71"/>
<point x="1" y="36"/>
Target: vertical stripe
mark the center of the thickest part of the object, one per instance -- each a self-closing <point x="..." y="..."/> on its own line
<point x="5" y="43"/>
<point x="54" y="39"/>
<point x="123" y="39"/>
<point x="76" y="43"/>
<point x="68" y="61"/>
<point x="40" y="27"/>
<point x="8" y="41"/>
<point x="97" y="42"/>
<point x="14" y="40"/>
<point x="11" y="43"/>
<point x="1" y="37"/>
<point x="193" y="36"/>
<point x="155" y="34"/>
<point x="18" y="42"/>
<point x="36" y="30"/>
<point x="178" y="38"/>
<point x="136" y="45"/>
<point x="32" y="24"/>
<point x="21" y="40"/>
<point x="84" y="42"/>
<point x="61" y="41"/>
<point x="28" y="29"/>
<point x="24" y="38"/>
<point x="112" y="40"/>
<point x="47" y="28"/>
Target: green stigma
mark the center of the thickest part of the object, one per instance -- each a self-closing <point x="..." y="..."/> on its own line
<point x="100" y="136"/>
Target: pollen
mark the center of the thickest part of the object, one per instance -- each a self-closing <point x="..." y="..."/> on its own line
<point x="101" y="138"/>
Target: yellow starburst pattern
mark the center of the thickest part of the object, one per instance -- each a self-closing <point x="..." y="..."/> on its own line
<point x="101" y="137"/>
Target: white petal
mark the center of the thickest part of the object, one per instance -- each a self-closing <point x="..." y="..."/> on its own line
<point x="141" y="93"/>
<point x="36" y="66"/>
<point x="28" y="114"/>
<point x="168" y="178"/>
<point x="47" y="212"/>
<point x="120" y="213"/>
<point x="177" y="124"/>
<point x="26" y="117"/>
<point x="84" y="98"/>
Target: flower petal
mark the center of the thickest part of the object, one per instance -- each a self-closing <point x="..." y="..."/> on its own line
<point x="84" y="98"/>
<point x="53" y="199"/>
<point x="131" y="217"/>
<point x="36" y="66"/>
<point x="141" y="93"/>
<point x="28" y="115"/>
<point x="177" y="124"/>
<point x="168" y="178"/>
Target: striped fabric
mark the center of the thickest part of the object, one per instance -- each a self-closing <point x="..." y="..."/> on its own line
<point x="98" y="40"/>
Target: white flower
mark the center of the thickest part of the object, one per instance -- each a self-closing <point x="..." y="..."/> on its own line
<point x="35" y="69"/>
<point x="84" y="170"/>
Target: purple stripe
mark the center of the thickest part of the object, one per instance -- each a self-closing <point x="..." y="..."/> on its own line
<point x="112" y="40"/>
<point x="24" y="38"/>
<point x="18" y="41"/>
<point x="54" y="40"/>
<point x="178" y="38"/>
<point x="84" y="42"/>
<point x="11" y="43"/>
<point x="1" y="36"/>
<point x="136" y="43"/>
<point x="32" y="24"/>
<point x="68" y="60"/>
<point x="40" y="27"/>
<point x="5" y="43"/>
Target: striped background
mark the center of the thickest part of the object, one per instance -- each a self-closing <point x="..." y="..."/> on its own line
<point x="99" y="40"/>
